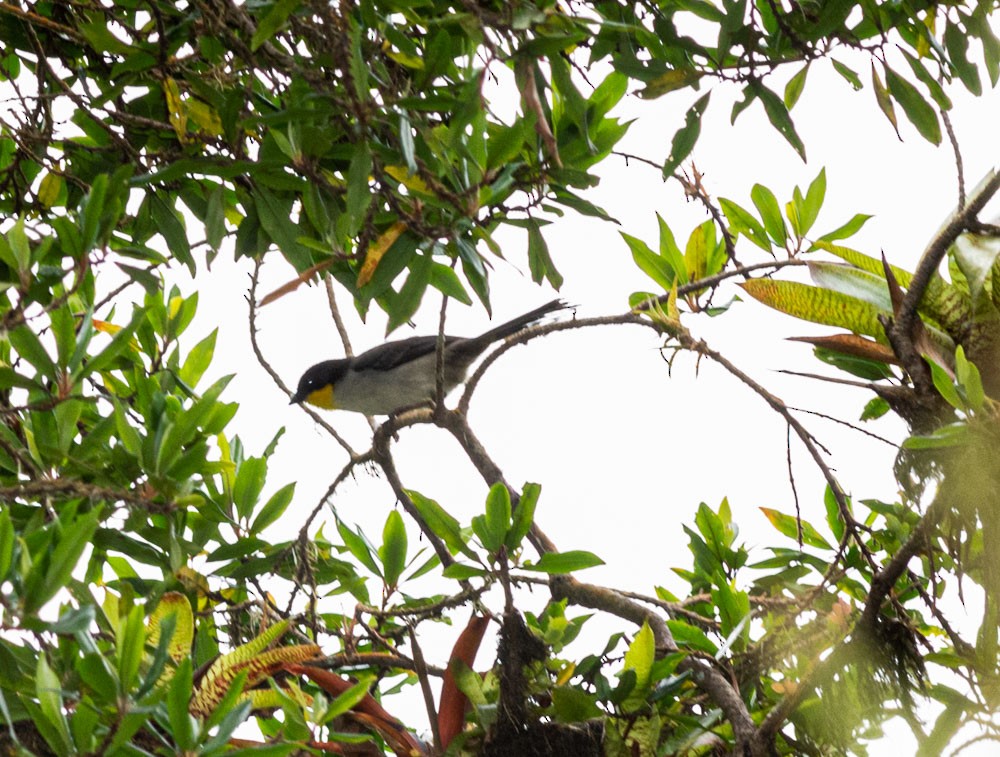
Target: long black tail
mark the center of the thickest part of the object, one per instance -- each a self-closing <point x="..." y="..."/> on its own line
<point x="505" y="330"/>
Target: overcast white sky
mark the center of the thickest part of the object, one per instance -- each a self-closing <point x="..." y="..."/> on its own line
<point x="624" y="452"/>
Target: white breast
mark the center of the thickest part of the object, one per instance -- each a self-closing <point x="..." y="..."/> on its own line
<point x="376" y="393"/>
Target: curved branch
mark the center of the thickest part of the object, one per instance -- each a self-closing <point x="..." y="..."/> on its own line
<point x="901" y="330"/>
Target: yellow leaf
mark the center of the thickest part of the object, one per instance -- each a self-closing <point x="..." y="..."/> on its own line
<point x="377" y="250"/>
<point x="107" y="328"/>
<point x="923" y="41"/>
<point x="176" y="113"/>
<point x="409" y="61"/>
<point x="668" y="82"/>
<point x="205" y="116"/>
<point x="568" y="671"/>
<point x="50" y="188"/>
<point x="192" y="579"/>
<point x="175" y="604"/>
<point x="411" y="181"/>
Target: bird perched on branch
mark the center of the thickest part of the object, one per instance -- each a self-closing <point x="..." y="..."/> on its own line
<point x="402" y="373"/>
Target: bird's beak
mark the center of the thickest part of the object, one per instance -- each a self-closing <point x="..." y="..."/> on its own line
<point x="295" y="399"/>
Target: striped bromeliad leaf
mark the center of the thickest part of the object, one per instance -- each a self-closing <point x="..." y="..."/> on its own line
<point x="176" y="604"/>
<point x="259" y="664"/>
<point x="942" y="302"/>
<point x="819" y="305"/>
<point x="832" y="308"/>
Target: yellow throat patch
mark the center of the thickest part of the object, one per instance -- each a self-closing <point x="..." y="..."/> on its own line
<point x="322" y="397"/>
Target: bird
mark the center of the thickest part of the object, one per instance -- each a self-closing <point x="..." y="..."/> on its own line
<point x="402" y="374"/>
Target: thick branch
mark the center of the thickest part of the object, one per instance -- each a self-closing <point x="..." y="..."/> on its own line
<point x="901" y="331"/>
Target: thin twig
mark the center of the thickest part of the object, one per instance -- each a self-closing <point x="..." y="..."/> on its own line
<point x="338" y="320"/>
<point x="420" y="667"/>
<point x="252" y="302"/>
<point x="959" y="167"/>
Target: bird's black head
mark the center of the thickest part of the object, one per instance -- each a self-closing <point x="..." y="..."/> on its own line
<point x="316" y="384"/>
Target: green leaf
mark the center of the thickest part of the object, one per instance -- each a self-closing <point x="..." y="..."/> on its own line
<point x="359" y="195"/>
<point x="119" y="342"/>
<point x="686" y="137"/>
<point x="884" y="101"/>
<point x="698" y="250"/>
<point x="733" y="607"/>
<point x="250" y="479"/>
<point x="952" y="435"/>
<point x="171" y="226"/>
<point x="778" y="115"/>
<point x="130" y="646"/>
<point x="834" y="517"/>
<point x="916" y="108"/>
<point x="498" y="510"/>
<point x="933" y="85"/>
<point x="670" y="252"/>
<point x="557" y="563"/>
<point x="359" y="547"/>
<point x="741" y="222"/>
<point x="19" y="246"/>
<point x="979" y="25"/>
<point x="441" y="523"/>
<point x="812" y="203"/>
<point x="72" y="542"/>
<point x="506" y="143"/>
<point x="539" y="260"/>
<point x="182" y="725"/>
<point x="969" y="380"/>
<point x="348" y="700"/>
<point x="849" y="229"/>
<point x="198" y="360"/>
<point x="274" y="216"/>
<point x="956" y="42"/>
<point x="460" y="572"/>
<point x="274" y="508"/>
<point x="945" y="385"/>
<point x="404" y="304"/>
<point x="6" y="544"/>
<point x="272" y="21"/>
<point x="770" y="213"/>
<point x="867" y="369"/>
<point x="639" y="658"/>
<point x="687" y="635"/>
<point x="445" y="280"/>
<point x="789" y="526"/>
<point x="656" y="267"/>
<point x="215" y="218"/>
<point x="48" y="689"/>
<point x="573" y="705"/>
<point x="793" y="90"/>
<point x="523" y="516"/>
<point x="393" y="551"/>
<point x="92" y="209"/>
<point x="849" y="74"/>
<point x="27" y="345"/>
<point x="875" y="408"/>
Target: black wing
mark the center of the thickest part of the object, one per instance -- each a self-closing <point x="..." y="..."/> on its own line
<point x="387" y="356"/>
